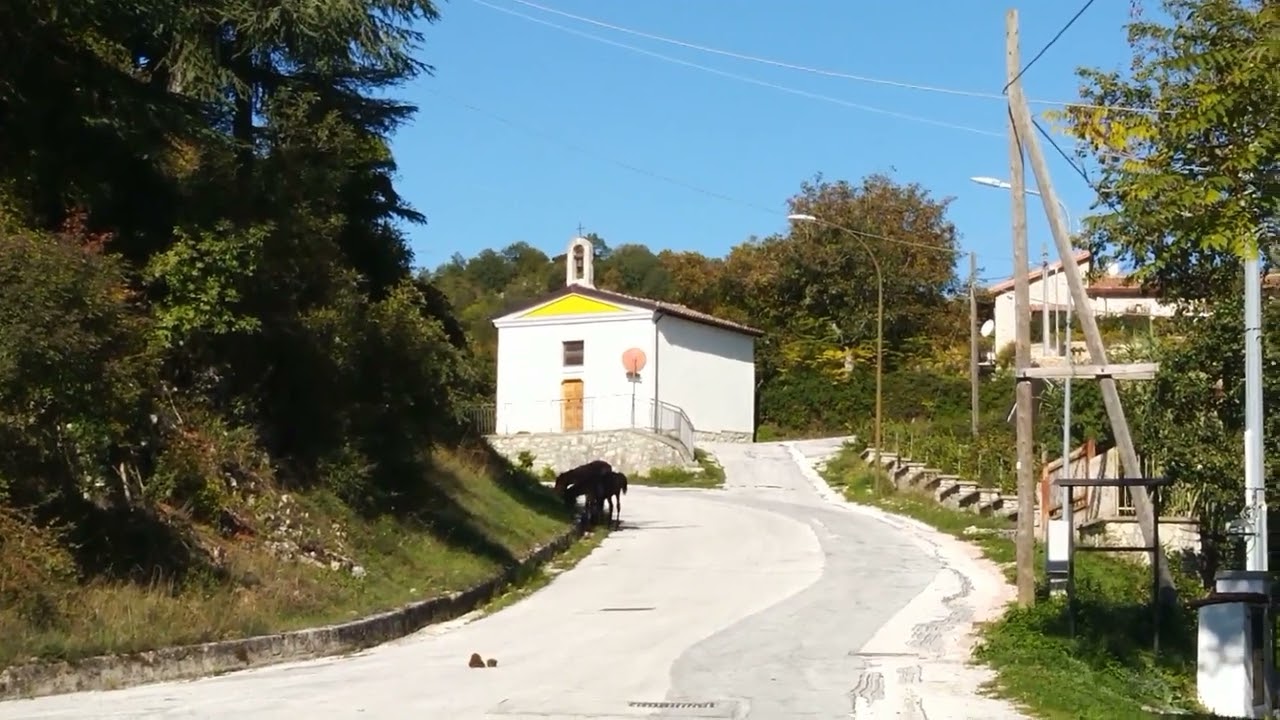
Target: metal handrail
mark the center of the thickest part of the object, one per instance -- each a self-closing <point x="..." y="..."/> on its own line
<point x="598" y="414"/>
<point x="679" y="428"/>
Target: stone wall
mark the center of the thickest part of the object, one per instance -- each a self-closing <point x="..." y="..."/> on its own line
<point x="629" y="451"/>
<point x="1177" y="535"/>
<point x="727" y="436"/>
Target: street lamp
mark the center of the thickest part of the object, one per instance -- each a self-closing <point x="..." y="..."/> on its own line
<point x="879" y="322"/>
<point x="1067" y="498"/>
<point x="1003" y="185"/>
<point x="1044" y="301"/>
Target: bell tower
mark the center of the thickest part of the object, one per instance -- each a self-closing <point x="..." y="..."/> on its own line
<point x="578" y="269"/>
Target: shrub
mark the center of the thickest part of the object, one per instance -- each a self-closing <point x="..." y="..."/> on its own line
<point x="75" y="377"/>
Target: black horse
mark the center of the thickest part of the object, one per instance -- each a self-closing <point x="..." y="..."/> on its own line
<point x="613" y="486"/>
<point x="572" y="477"/>
<point x="589" y="480"/>
<point x="598" y="489"/>
<point x="593" y="505"/>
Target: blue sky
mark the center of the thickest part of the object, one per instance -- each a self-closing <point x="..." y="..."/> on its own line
<point x="526" y="130"/>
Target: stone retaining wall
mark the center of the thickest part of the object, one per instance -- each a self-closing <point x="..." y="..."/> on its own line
<point x="109" y="672"/>
<point x="629" y="451"/>
<point x="721" y="437"/>
<point x="1177" y="534"/>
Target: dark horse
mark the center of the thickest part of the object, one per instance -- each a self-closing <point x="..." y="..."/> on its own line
<point x="572" y="477"/>
<point x="599" y="488"/>
<point x="613" y="486"/>
<point x="586" y="480"/>
<point x="593" y="506"/>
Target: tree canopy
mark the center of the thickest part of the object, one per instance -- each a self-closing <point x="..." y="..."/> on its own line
<point x="1189" y="170"/>
<point x="198" y="220"/>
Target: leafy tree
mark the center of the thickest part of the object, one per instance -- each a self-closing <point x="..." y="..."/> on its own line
<point x="635" y="270"/>
<point x="1190" y="180"/>
<point x="1193" y="178"/>
<point x="235" y="272"/>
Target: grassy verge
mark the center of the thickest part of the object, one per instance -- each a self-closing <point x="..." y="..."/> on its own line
<point x="710" y="474"/>
<point x="292" y="561"/>
<point x="542" y="576"/>
<point x="1107" y="669"/>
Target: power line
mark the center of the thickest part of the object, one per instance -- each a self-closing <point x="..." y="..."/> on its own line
<point x="1063" y="153"/>
<point x="660" y="177"/>
<point x="1045" y="49"/>
<point x="1106" y="197"/>
<point x="809" y="69"/>
<point x="742" y="78"/>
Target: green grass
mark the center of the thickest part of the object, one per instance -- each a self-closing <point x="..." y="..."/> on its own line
<point x="711" y="475"/>
<point x="1107" y="669"/>
<point x="542" y="576"/>
<point x="486" y="515"/>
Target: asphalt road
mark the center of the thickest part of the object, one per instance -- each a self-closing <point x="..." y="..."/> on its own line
<point x="764" y="600"/>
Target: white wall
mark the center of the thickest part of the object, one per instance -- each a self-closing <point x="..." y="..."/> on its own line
<point x="1044" y="291"/>
<point x="708" y="372"/>
<point x="1132" y="306"/>
<point x="531" y="368"/>
<point x="1051" y="291"/>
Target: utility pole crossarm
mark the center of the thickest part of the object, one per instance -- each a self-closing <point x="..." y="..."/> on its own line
<point x="1145" y="510"/>
<point x="1121" y="371"/>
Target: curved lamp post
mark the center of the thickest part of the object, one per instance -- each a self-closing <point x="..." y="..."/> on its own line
<point x="879" y="321"/>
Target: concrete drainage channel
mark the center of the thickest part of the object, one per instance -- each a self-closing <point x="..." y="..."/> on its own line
<point x="668" y="709"/>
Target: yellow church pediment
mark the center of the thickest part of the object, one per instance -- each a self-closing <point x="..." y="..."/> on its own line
<point x="574" y="304"/>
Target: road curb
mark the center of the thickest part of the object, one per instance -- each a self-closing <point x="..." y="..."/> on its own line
<point x="186" y="662"/>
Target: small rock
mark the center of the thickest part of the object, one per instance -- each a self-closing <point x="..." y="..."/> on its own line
<point x="475" y="661"/>
<point x="491" y="662"/>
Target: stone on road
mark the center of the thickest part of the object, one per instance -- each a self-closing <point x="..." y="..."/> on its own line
<point x="768" y="599"/>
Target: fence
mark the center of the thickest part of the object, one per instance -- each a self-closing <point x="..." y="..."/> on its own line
<point x="671" y="421"/>
<point x="590" y="414"/>
<point x="483" y="418"/>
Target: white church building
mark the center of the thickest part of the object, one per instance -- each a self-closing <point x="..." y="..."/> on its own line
<point x="587" y="360"/>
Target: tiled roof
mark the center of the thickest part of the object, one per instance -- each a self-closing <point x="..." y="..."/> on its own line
<point x="1007" y="285"/>
<point x="1126" y="286"/>
<point x="666" y="308"/>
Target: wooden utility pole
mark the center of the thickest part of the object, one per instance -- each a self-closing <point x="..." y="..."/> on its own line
<point x="973" y="342"/>
<point x="1025" y="541"/>
<point x="1145" y="511"/>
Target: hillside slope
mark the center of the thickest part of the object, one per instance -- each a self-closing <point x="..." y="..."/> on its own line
<point x="278" y="561"/>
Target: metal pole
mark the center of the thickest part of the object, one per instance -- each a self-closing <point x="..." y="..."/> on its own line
<point x="1254" y="482"/>
<point x="1068" y="499"/>
<point x="879" y="352"/>
<point x="974" y="390"/>
<point x="1044" y="305"/>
